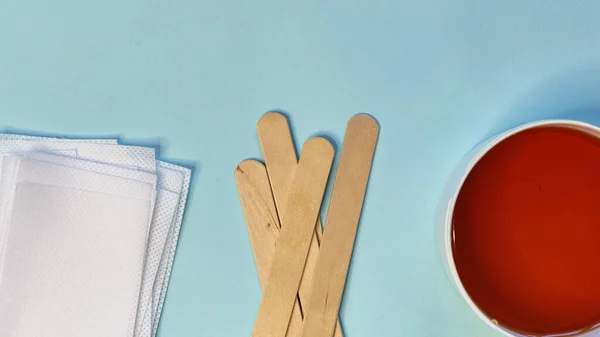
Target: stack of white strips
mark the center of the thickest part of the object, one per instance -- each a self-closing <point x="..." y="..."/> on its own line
<point x="88" y="231"/>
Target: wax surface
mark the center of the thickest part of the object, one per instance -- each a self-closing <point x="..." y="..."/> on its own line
<point x="527" y="232"/>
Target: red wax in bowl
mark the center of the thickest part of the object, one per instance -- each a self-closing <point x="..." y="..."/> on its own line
<point x="526" y="232"/>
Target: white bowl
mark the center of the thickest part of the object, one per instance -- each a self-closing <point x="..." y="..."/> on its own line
<point x="448" y="201"/>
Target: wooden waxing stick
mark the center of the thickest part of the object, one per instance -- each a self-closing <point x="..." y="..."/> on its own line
<point x="262" y="223"/>
<point x="298" y="219"/>
<point x="281" y="161"/>
<point x="340" y="227"/>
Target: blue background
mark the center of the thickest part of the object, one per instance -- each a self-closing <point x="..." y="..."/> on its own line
<point x="193" y="77"/>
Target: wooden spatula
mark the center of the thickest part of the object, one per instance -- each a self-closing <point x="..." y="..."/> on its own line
<point x="262" y="223"/>
<point x="341" y="224"/>
<point x="281" y="161"/>
<point x="298" y="220"/>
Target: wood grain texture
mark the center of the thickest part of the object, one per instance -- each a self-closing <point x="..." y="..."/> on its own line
<point x="262" y="223"/>
<point x="280" y="157"/>
<point x="340" y="227"/>
<point x="298" y="220"/>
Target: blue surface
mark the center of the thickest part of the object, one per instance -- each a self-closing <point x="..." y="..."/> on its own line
<point x="195" y="76"/>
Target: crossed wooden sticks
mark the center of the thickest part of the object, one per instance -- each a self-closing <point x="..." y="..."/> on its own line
<point x="302" y="267"/>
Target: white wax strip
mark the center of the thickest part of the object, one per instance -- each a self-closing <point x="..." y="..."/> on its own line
<point x="75" y="277"/>
<point x="163" y="219"/>
<point x="171" y="183"/>
<point x="166" y="263"/>
<point x="45" y="173"/>
<point x="176" y="180"/>
<point x="91" y="166"/>
<point x="164" y="212"/>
